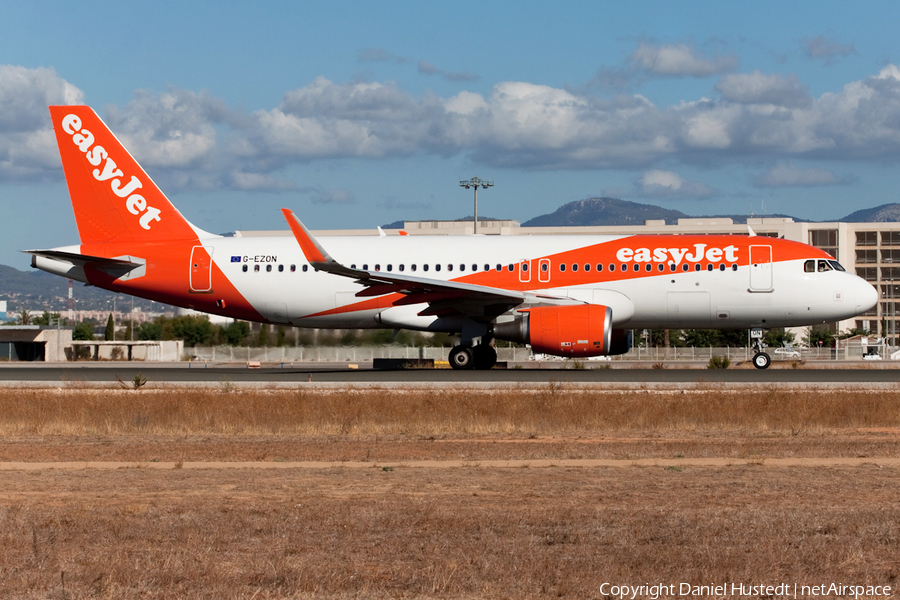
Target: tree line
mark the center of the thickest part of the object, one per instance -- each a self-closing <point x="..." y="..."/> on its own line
<point x="197" y="330"/>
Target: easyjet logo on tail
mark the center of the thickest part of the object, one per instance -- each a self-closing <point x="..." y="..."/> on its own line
<point x="96" y="154"/>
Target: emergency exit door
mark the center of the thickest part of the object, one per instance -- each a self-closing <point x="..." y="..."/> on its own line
<point x="201" y="268"/>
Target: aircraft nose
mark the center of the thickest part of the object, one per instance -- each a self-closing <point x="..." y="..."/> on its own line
<point x="866" y="296"/>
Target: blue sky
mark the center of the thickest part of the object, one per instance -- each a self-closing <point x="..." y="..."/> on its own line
<point x="356" y="114"/>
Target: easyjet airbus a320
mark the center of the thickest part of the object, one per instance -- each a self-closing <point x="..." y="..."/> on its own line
<point x="571" y="296"/>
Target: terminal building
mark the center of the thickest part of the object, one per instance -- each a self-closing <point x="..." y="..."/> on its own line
<point x="871" y="250"/>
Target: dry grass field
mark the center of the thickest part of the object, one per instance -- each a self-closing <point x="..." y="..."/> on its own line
<point x="235" y="493"/>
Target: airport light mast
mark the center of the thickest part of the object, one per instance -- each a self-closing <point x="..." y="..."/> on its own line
<point x="474" y="183"/>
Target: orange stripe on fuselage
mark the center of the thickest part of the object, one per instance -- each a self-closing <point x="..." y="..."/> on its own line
<point x="630" y="251"/>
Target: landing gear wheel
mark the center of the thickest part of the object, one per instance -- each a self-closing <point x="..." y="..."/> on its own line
<point x="485" y="357"/>
<point x="761" y="360"/>
<point x="462" y="357"/>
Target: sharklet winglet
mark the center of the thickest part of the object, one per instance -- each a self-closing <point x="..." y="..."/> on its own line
<point x="317" y="256"/>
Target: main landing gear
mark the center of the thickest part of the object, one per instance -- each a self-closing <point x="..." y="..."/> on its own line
<point x="481" y="357"/>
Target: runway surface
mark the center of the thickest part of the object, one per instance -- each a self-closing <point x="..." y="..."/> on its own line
<point x="44" y="374"/>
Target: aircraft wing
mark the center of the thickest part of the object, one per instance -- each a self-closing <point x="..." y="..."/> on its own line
<point x="442" y="296"/>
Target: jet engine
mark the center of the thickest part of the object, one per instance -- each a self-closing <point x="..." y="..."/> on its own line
<point x="576" y="331"/>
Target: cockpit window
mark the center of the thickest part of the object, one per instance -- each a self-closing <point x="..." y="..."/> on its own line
<point x="809" y="266"/>
<point x="824" y="266"/>
<point x="837" y="266"/>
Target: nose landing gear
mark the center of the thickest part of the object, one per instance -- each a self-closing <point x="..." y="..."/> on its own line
<point x="761" y="360"/>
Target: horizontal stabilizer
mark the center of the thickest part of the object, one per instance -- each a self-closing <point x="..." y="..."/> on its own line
<point x="72" y="264"/>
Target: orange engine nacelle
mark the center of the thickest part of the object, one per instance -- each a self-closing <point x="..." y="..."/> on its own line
<point x="580" y="330"/>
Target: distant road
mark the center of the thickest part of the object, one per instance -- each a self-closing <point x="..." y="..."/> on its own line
<point x="44" y="374"/>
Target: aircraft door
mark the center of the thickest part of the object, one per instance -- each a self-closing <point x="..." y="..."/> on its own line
<point x="201" y="269"/>
<point x="544" y="272"/>
<point x="525" y="271"/>
<point x="760" y="268"/>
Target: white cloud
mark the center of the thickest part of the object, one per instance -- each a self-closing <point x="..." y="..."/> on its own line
<point x="669" y="185"/>
<point x="193" y="140"/>
<point x="379" y="55"/>
<point x="27" y="144"/>
<point x="335" y="196"/>
<point x="261" y="182"/>
<point x="759" y="88"/>
<point x="678" y="60"/>
<point x="789" y="175"/>
<point x="422" y="66"/>
<point x="827" y="49"/>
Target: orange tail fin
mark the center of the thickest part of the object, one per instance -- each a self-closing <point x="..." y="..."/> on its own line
<point x="113" y="198"/>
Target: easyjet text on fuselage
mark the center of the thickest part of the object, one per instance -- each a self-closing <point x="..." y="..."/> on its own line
<point x="676" y="255"/>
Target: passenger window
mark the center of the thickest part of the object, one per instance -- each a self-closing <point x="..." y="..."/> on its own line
<point x="544" y="267"/>
<point x="672" y="267"/>
<point x="661" y="268"/>
<point x="524" y="267"/>
<point x="612" y="267"/>
<point x="449" y="267"/>
<point x="462" y="267"/>
<point x="256" y="268"/>
<point x="244" y="268"/>
<point x="599" y="267"/>
<point x="648" y="268"/>
<point x="306" y="268"/>
<point x="294" y="268"/>
<point x="280" y="268"/>
<point x="474" y="268"/>
<point x="624" y="267"/>
<point x="437" y="267"/>
<point x="390" y="268"/>
<point x="487" y="267"/>
<point x="809" y="266"/>
<point x="722" y="267"/>
<point x="511" y="268"/>
<point x="636" y="267"/>
<point x="412" y="267"/>
<point x="709" y="267"/>
<point x="401" y="268"/>
<point x="685" y="267"/>
<point x="587" y="267"/>
<point x="269" y="268"/>
<point x="562" y="266"/>
<point x="365" y="268"/>
<point x="378" y="267"/>
<point x="574" y="267"/>
<point x="734" y="267"/>
<point x="499" y="267"/>
<point x="424" y="267"/>
<point x="697" y="267"/>
<point x="353" y="266"/>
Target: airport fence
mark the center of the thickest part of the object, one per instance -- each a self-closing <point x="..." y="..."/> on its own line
<point x="287" y="354"/>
